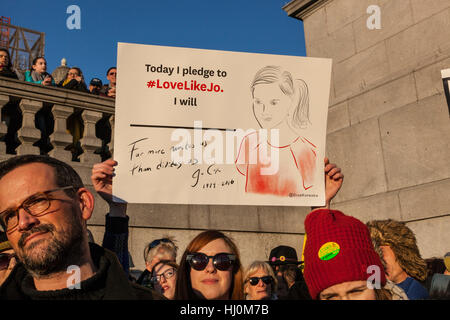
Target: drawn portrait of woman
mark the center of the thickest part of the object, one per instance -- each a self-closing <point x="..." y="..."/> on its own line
<point x="279" y="102"/>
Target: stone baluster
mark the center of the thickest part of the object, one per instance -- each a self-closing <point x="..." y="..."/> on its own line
<point x="111" y="143"/>
<point x="60" y="138"/>
<point x="29" y="134"/>
<point x="3" y="128"/>
<point x="90" y="142"/>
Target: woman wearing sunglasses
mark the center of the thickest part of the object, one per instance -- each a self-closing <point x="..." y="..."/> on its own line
<point x="164" y="278"/>
<point x="260" y="282"/>
<point x="210" y="269"/>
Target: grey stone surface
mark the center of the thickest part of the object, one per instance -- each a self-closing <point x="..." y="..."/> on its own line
<point x="432" y="236"/>
<point x="342" y="12"/>
<point x="378" y="207"/>
<point x="313" y="27"/>
<point x="339" y="45"/>
<point x="357" y="150"/>
<point x="424" y="201"/>
<point x="406" y="49"/>
<point x="338" y="117"/>
<point x="395" y="16"/>
<point x="382" y="99"/>
<point x="415" y="142"/>
<point x="423" y="9"/>
<point x="282" y="219"/>
<point x="429" y="79"/>
<point x="356" y="73"/>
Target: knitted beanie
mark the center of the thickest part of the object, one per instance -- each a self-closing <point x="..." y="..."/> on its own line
<point x="338" y="249"/>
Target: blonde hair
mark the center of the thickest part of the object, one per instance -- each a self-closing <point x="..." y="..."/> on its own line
<point x="167" y="246"/>
<point x="253" y="268"/>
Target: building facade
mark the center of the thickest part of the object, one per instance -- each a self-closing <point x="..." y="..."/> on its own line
<point x="388" y="120"/>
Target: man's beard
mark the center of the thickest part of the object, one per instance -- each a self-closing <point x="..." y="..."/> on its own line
<point x="64" y="248"/>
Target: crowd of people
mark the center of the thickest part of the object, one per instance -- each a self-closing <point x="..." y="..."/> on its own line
<point x="70" y="78"/>
<point x="73" y="78"/>
<point x="44" y="209"/>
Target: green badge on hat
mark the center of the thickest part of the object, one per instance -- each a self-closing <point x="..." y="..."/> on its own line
<point x="328" y="251"/>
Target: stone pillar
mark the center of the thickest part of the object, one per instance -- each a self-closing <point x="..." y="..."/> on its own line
<point x="90" y="142"/>
<point x="29" y="134"/>
<point x="60" y="138"/>
<point x="3" y="128"/>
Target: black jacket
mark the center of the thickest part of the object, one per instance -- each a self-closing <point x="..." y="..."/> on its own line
<point x="74" y="85"/>
<point x="109" y="283"/>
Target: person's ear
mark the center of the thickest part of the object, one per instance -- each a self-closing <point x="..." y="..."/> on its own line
<point x="86" y="203"/>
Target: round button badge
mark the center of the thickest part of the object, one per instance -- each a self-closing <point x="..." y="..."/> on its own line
<point x="328" y="251"/>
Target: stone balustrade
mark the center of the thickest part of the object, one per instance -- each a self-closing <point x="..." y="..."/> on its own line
<point x="66" y="124"/>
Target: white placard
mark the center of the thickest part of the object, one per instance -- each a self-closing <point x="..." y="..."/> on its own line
<point x="199" y="126"/>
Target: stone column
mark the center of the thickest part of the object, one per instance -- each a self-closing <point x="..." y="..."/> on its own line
<point x="60" y="138"/>
<point x="90" y="142"/>
<point x="29" y="134"/>
<point x="3" y="128"/>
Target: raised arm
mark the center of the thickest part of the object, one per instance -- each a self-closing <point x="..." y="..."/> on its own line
<point x="333" y="182"/>
<point x="116" y="225"/>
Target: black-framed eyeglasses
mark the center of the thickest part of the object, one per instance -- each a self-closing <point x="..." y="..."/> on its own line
<point x="156" y="242"/>
<point x="221" y="261"/>
<point x="112" y="73"/>
<point x="5" y="259"/>
<point x="169" y="273"/>
<point x="35" y="205"/>
<point x="255" y="280"/>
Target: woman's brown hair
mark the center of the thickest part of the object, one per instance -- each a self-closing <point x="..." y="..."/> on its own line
<point x="184" y="289"/>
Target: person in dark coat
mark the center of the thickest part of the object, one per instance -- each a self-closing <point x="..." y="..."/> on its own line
<point x="44" y="208"/>
<point x="291" y="284"/>
<point x="5" y="65"/>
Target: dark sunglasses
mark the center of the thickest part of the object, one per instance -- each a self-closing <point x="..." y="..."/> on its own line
<point x="156" y="242"/>
<point x="5" y="258"/>
<point x="221" y="261"/>
<point x="255" y="280"/>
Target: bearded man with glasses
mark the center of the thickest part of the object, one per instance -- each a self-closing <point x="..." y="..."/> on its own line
<point x="44" y="208"/>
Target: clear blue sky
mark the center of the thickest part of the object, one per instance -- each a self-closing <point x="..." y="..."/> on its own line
<point x="234" y="25"/>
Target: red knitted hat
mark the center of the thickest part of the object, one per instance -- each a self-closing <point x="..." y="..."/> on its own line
<point x="338" y="249"/>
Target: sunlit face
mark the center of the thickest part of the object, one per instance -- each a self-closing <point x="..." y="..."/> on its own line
<point x="394" y="271"/>
<point x="270" y="105"/>
<point x="351" y="290"/>
<point x="167" y="280"/>
<point x="211" y="283"/>
<point x="4" y="59"/>
<point x="42" y="243"/>
<point x="40" y="66"/>
<point x="111" y="76"/>
<point x="261" y="290"/>
<point x="73" y="73"/>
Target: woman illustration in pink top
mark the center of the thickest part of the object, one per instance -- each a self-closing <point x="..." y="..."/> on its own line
<point x="279" y="102"/>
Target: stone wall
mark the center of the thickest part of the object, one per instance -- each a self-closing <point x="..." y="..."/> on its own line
<point x="388" y="121"/>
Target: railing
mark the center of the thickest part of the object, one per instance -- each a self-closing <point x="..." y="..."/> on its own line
<point x="65" y="124"/>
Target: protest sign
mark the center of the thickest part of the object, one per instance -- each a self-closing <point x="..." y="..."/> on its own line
<point x="197" y="126"/>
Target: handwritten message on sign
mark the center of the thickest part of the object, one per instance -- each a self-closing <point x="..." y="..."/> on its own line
<point x="199" y="126"/>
